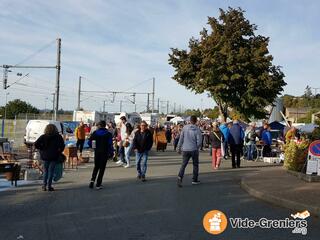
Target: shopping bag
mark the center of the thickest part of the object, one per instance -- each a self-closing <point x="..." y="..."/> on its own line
<point x="222" y="150"/>
<point x="58" y="171"/>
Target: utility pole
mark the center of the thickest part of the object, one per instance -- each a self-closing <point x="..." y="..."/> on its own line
<point x="104" y="106"/>
<point x="167" y="107"/>
<point x="79" y="93"/>
<point x="5" y="115"/>
<point x="148" y="99"/>
<point x="5" y="78"/>
<point x="158" y="105"/>
<point x="57" y="78"/>
<point x="53" y="101"/>
<point x="153" y="92"/>
<point x="174" y="108"/>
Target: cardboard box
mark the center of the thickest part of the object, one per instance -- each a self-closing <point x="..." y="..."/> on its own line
<point x="312" y="167"/>
<point x="272" y="160"/>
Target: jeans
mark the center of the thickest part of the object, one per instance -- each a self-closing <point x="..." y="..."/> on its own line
<point x="122" y="154"/>
<point x="216" y="157"/>
<point x="225" y="146"/>
<point x="185" y="160"/>
<point x="127" y="151"/>
<point x="49" y="167"/>
<point x="250" y="151"/>
<point x="80" y="143"/>
<point x="235" y="153"/>
<point x="266" y="151"/>
<point x="100" y="162"/>
<point x="141" y="159"/>
<point x="175" y="143"/>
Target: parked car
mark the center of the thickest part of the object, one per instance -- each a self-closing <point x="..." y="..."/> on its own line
<point x="35" y="128"/>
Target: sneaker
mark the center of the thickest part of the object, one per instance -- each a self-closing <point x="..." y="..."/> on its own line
<point x="196" y="182"/>
<point x="119" y="162"/>
<point x="99" y="187"/>
<point x="50" y="189"/>
<point x="138" y="177"/>
<point x="126" y="166"/>
<point x="179" y="182"/>
<point x="91" y="184"/>
<point x="143" y="178"/>
<point x="44" y="188"/>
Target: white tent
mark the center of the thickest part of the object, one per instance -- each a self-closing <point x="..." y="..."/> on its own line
<point x="308" y="128"/>
<point x="177" y="120"/>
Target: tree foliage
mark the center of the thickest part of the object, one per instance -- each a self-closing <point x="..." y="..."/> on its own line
<point x="232" y="64"/>
<point x="193" y="112"/>
<point x="16" y="107"/>
<point x="306" y="100"/>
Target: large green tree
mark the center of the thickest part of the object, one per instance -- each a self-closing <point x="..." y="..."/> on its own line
<point x="16" y="107"/>
<point x="232" y="64"/>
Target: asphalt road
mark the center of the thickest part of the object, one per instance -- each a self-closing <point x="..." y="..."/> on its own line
<point x="129" y="209"/>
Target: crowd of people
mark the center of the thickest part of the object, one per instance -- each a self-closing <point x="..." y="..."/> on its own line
<point x="118" y="142"/>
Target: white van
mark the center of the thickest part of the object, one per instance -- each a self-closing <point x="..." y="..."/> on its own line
<point x="35" y="128"/>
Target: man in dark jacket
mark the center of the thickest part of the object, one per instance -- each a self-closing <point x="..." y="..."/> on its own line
<point x="101" y="142"/>
<point x="142" y="143"/>
<point x="235" y="140"/>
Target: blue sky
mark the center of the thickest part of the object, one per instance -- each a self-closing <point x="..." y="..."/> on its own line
<point x="117" y="44"/>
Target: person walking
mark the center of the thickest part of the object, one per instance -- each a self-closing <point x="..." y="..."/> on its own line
<point x="123" y="135"/>
<point x="93" y="128"/>
<point x="142" y="143"/>
<point x="128" y="144"/>
<point x="250" y="140"/>
<point x="216" y="139"/>
<point x="235" y="140"/>
<point x="225" y="131"/>
<point x="160" y="139"/>
<point x="267" y="142"/>
<point x="51" y="146"/>
<point x="176" y="135"/>
<point x="80" y="134"/>
<point x="101" y="142"/>
<point x="190" y="142"/>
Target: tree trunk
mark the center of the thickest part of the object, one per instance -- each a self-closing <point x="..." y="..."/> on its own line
<point x="223" y="109"/>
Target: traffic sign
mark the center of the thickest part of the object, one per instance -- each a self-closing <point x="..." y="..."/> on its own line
<point x="314" y="148"/>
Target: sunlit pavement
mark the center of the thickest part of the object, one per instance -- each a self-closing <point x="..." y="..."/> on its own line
<point x="130" y="209"/>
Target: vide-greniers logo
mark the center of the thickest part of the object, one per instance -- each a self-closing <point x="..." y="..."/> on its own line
<point x="215" y="222"/>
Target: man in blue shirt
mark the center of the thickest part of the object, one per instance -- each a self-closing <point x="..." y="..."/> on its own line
<point x="225" y="131"/>
<point x="267" y="141"/>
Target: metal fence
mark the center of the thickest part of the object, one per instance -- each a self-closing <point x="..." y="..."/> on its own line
<point x="14" y="129"/>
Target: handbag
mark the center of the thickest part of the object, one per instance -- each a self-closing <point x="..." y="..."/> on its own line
<point x="62" y="158"/>
<point x="126" y="143"/>
<point x="58" y="172"/>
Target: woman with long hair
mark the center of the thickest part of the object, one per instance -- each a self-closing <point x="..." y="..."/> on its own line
<point x="216" y="138"/>
<point x="128" y="143"/>
<point x="51" y="146"/>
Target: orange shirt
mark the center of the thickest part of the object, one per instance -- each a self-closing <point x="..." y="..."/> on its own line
<point x="80" y="133"/>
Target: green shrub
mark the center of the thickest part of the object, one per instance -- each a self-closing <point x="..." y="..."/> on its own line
<point x="296" y="155"/>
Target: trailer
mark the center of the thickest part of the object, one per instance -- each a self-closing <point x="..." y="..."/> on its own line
<point x="92" y="116"/>
<point x="151" y="118"/>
